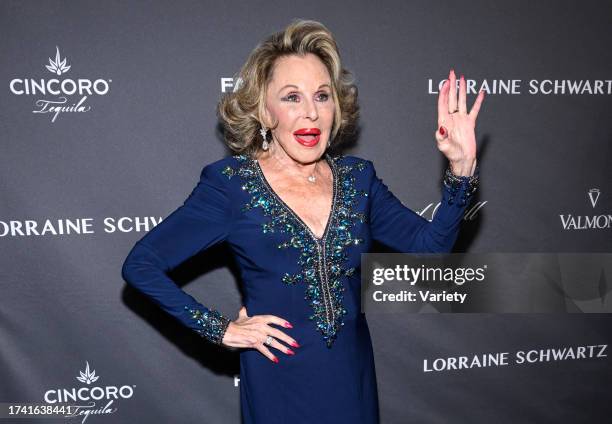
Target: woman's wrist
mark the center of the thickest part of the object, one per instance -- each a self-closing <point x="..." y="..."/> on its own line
<point x="464" y="168"/>
<point x="455" y="183"/>
<point x="211" y="324"/>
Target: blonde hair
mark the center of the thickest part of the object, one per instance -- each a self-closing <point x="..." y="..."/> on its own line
<point x="241" y="111"/>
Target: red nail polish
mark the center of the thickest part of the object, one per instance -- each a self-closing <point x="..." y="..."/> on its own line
<point x="442" y="131"/>
<point x="288" y="325"/>
<point x="290" y="352"/>
<point x="294" y="344"/>
<point x="275" y="359"/>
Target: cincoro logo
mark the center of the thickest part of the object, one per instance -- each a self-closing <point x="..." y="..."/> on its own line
<point x="88" y="394"/>
<point x="59" y="87"/>
<point x="69" y="87"/>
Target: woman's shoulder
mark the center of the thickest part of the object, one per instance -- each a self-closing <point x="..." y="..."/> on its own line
<point x="225" y="168"/>
<point x="353" y="162"/>
<point x="220" y="164"/>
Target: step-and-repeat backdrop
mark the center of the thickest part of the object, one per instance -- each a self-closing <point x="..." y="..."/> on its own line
<point x="107" y="117"/>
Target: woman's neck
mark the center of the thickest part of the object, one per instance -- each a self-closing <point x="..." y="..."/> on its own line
<point x="280" y="161"/>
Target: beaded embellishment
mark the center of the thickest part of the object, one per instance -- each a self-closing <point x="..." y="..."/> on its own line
<point x="322" y="260"/>
<point x="212" y="324"/>
<point x="454" y="183"/>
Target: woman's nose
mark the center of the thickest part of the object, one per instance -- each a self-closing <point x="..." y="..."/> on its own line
<point x="311" y="109"/>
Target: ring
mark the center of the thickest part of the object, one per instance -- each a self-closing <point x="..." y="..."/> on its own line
<point x="268" y="341"/>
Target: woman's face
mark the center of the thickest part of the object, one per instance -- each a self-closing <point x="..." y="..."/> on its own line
<point x="300" y="98"/>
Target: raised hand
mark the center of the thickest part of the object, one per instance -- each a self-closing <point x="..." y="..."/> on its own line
<point x="252" y="332"/>
<point x="456" y="135"/>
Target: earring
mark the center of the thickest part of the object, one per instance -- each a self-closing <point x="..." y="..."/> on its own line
<point x="264" y="131"/>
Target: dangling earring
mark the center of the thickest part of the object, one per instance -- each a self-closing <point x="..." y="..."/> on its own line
<point x="328" y="142"/>
<point x="264" y="131"/>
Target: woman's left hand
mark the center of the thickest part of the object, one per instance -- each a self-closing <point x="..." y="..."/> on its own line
<point x="456" y="135"/>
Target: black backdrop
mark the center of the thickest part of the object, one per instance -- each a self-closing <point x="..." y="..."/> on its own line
<point x="131" y="151"/>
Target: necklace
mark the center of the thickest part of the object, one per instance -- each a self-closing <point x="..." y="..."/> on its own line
<point x="312" y="178"/>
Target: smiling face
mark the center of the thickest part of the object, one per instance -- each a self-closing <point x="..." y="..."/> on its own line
<point x="300" y="98"/>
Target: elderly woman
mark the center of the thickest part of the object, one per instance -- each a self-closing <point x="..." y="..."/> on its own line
<point x="297" y="219"/>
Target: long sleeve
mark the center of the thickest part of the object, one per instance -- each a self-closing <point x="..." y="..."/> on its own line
<point x="404" y="230"/>
<point x="203" y="220"/>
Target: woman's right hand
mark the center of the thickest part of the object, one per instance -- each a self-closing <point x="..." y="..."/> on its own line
<point x="252" y="332"/>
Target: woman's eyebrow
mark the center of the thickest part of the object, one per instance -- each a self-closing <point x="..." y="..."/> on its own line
<point x="295" y="86"/>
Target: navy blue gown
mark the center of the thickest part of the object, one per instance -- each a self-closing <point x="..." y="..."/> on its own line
<point x="288" y="272"/>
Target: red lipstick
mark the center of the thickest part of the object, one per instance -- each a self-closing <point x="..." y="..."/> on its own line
<point x="308" y="137"/>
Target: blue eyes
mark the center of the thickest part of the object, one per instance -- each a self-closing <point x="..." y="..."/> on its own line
<point x="294" y="97"/>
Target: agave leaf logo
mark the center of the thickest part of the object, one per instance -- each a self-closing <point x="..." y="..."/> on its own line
<point x="88" y="376"/>
<point x="57" y="66"/>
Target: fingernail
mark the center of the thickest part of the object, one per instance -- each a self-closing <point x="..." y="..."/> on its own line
<point x="294" y="344"/>
<point x="461" y="76"/>
<point x="442" y="131"/>
<point x="452" y="71"/>
<point x="275" y="359"/>
<point x="290" y="352"/>
<point x="288" y="325"/>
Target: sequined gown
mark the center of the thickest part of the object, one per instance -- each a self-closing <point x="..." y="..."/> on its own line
<point x="286" y="271"/>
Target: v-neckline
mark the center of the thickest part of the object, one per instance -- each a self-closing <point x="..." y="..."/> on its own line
<point x="330" y="217"/>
